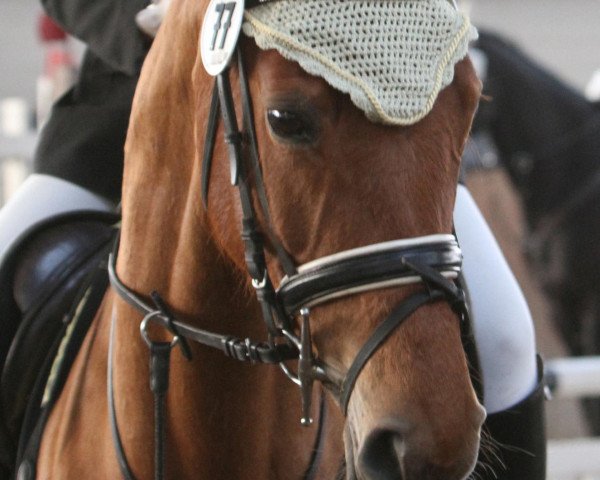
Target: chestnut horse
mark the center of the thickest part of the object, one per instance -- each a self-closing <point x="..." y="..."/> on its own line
<point x="413" y="413"/>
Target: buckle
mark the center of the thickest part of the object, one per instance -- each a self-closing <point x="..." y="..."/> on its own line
<point x="158" y="318"/>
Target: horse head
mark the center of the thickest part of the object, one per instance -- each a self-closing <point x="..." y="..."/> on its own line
<point x="328" y="180"/>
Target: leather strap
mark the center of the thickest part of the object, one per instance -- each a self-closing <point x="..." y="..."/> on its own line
<point x="209" y="143"/>
<point x="317" y="451"/>
<point x="438" y="288"/>
<point x="253" y="238"/>
<point x="114" y="424"/>
<point x="244" y="350"/>
<point x="285" y="259"/>
<point x="379" y="336"/>
<point x="160" y="357"/>
<point x="159" y="382"/>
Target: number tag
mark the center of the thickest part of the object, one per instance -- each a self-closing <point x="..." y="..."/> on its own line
<point x="220" y="31"/>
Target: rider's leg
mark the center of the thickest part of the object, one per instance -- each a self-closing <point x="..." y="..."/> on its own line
<point x="504" y="336"/>
<point x="40" y="197"/>
<point x="502" y="323"/>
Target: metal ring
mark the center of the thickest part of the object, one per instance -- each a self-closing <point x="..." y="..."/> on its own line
<point x="155" y="316"/>
<point x="292" y="338"/>
<point x="289" y="374"/>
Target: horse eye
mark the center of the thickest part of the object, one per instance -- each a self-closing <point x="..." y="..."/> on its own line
<point x="292" y="126"/>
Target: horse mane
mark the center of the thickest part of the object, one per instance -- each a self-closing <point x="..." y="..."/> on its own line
<point x="165" y="138"/>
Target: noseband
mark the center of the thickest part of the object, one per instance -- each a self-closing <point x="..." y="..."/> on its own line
<point x="433" y="261"/>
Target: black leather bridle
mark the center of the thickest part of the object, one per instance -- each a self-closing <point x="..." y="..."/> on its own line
<point x="433" y="261"/>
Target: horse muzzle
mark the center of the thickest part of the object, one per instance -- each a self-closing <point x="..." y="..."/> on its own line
<point x="396" y="450"/>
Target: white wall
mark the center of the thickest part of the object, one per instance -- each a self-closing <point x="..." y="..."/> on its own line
<point x="20" y="53"/>
<point x="563" y="35"/>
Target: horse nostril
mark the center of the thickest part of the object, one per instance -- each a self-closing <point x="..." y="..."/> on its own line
<point x="397" y="451"/>
<point x="381" y="456"/>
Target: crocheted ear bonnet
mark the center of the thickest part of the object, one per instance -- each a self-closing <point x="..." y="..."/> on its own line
<point x="392" y="57"/>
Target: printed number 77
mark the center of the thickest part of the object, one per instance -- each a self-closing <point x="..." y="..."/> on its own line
<point x="221" y="8"/>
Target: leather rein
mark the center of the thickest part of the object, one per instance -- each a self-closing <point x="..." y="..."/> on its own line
<point x="433" y="261"/>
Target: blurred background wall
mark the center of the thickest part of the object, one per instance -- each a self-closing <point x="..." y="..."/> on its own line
<point x="563" y="34"/>
<point x="21" y="56"/>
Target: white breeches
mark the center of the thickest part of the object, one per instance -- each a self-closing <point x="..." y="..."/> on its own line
<point x="502" y="322"/>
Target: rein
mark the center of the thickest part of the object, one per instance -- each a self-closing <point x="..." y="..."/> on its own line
<point x="433" y="261"/>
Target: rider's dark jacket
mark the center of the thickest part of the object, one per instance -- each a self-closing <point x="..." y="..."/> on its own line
<point x="83" y="139"/>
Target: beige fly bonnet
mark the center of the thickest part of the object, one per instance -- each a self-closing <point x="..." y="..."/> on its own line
<point x="392" y="57"/>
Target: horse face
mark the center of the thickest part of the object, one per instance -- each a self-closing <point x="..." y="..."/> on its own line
<point x="337" y="181"/>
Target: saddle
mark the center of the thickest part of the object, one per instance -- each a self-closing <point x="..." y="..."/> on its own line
<point x="40" y="281"/>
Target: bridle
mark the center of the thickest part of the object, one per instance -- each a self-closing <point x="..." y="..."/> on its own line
<point x="433" y="261"/>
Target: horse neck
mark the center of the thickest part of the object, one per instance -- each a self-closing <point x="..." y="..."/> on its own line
<point x="218" y="409"/>
<point x="536" y="124"/>
<point x="166" y="242"/>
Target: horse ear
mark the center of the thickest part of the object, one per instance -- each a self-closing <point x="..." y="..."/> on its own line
<point x="469" y="83"/>
<point x="467" y="92"/>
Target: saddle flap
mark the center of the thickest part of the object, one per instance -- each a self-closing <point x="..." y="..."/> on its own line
<point x="40" y="280"/>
